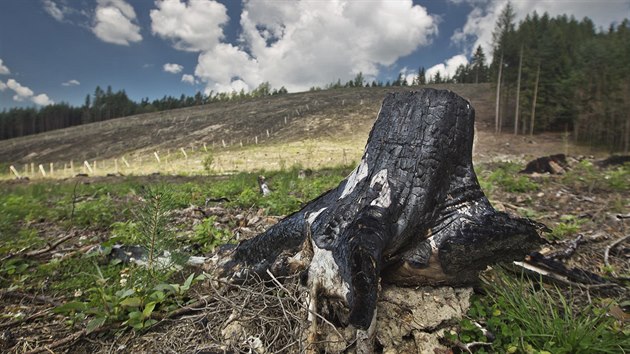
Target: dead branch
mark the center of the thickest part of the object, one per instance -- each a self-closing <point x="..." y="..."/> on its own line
<point x="562" y="279"/>
<point x="69" y="339"/>
<point x="51" y="246"/>
<point x="275" y="280"/>
<point x="570" y="249"/>
<point x="609" y="248"/>
<point x="33" y="298"/>
<point x="25" y="319"/>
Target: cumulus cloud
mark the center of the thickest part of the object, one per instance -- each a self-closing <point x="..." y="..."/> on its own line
<point x="71" y="83"/>
<point x="23" y="93"/>
<point x="114" y="22"/>
<point x="193" y="26"/>
<point x="446" y="69"/>
<point x="173" y="68"/>
<point x="3" y="69"/>
<point x="297" y="44"/>
<point x="42" y="100"/>
<point x="189" y="79"/>
<point x="3" y="86"/>
<point x="481" y="20"/>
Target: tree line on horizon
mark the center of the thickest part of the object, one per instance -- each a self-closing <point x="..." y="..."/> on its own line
<point x="549" y="73"/>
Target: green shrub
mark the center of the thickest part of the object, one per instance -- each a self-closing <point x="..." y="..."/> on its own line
<point x="208" y="236"/>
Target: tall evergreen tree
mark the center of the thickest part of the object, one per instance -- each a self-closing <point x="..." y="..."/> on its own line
<point x="479" y="66"/>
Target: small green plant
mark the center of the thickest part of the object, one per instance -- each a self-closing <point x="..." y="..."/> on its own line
<point x="208" y="236"/>
<point x="154" y="233"/>
<point x="128" y="304"/>
<point x="618" y="180"/>
<point x="583" y="177"/>
<point x="525" y="317"/>
<point x="506" y="176"/>
<point x="568" y="226"/>
<point x="14" y="273"/>
<point x="124" y="232"/>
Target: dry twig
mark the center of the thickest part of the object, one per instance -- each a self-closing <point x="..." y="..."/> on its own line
<point x="609" y="248"/>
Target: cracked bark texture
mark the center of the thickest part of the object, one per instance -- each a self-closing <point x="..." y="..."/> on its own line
<point x="411" y="213"/>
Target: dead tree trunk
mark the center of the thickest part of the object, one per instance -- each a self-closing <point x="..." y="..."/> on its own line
<point x="411" y="213"/>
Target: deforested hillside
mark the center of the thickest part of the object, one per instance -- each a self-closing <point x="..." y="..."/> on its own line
<point x="336" y="114"/>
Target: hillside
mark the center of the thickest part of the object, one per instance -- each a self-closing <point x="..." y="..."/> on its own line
<point x="310" y="128"/>
<point x="312" y="114"/>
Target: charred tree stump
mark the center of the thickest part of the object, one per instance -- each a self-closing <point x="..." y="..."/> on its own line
<point x="411" y="213"/>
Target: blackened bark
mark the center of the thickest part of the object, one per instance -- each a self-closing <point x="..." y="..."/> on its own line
<point x="411" y="213"/>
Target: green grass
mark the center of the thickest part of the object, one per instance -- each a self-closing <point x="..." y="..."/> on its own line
<point x="528" y="317"/>
<point x="33" y="214"/>
<point x="568" y="226"/>
<point x="505" y="176"/>
<point x="587" y="178"/>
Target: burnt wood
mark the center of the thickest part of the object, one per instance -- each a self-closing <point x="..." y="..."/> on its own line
<point x="553" y="164"/>
<point x="411" y="213"/>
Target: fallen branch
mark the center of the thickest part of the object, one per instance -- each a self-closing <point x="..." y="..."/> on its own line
<point x="25" y="319"/>
<point x="569" y="250"/>
<point x="197" y="305"/>
<point x="306" y="307"/>
<point x="468" y="346"/>
<point x="607" y="252"/>
<point x="50" y="246"/>
<point x="69" y="339"/>
<point x="32" y="298"/>
<point x="563" y="279"/>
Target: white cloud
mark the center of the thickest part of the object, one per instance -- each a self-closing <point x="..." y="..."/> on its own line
<point x="189" y="79"/>
<point x="173" y="68"/>
<point x="3" y="69"/>
<point x="114" y="22"/>
<point x="3" y="86"/>
<point x="53" y="10"/>
<point x="446" y="69"/>
<point x="193" y="26"/>
<point x="481" y="20"/>
<point x="408" y="75"/>
<point x="295" y="44"/>
<point x="71" y="83"/>
<point x="42" y="100"/>
<point x="23" y="93"/>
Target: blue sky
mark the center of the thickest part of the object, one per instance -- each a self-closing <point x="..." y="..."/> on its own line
<point x="60" y="50"/>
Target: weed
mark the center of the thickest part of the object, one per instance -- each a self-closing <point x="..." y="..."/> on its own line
<point x="207" y="235"/>
<point x="506" y="176"/>
<point x="568" y="226"/>
<point x="127" y="303"/>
